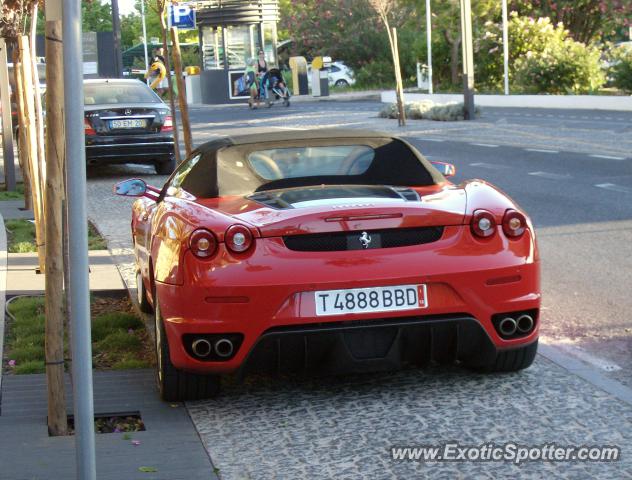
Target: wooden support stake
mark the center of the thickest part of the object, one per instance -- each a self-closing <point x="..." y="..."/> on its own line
<point x="398" y="79"/>
<point x="22" y="143"/>
<point x="55" y="153"/>
<point x="31" y="133"/>
<point x="182" y="97"/>
<point x="41" y="157"/>
<point x="172" y="103"/>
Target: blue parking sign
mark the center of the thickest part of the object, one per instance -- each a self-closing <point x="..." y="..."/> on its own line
<point x="181" y="16"/>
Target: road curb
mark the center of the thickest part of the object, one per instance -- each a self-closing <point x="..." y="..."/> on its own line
<point x="621" y="103"/>
<point x="591" y="375"/>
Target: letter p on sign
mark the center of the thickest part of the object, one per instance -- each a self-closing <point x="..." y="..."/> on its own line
<point x="181" y="16"/>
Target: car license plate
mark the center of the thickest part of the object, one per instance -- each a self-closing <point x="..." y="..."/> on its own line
<point x="372" y="299"/>
<point x="129" y="123"/>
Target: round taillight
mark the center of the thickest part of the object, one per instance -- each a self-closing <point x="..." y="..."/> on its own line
<point x="514" y="224"/>
<point x="238" y="238"/>
<point x="203" y="243"/>
<point x="483" y="224"/>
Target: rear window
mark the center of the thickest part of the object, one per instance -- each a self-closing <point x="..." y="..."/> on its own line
<point x="118" y="93"/>
<point x="297" y="162"/>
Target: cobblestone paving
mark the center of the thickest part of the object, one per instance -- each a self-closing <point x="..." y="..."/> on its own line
<point x="343" y="428"/>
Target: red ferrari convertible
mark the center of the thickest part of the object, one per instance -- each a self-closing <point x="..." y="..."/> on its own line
<point x="329" y="250"/>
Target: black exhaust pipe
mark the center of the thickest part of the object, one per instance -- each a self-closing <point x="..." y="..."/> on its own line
<point x="201" y="347"/>
<point x="507" y="326"/>
<point x="525" y="323"/>
<point x="224" y="348"/>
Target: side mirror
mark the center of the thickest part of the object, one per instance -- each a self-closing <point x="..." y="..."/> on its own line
<point x="134" y="187"/>
<point x="446" y="169"/>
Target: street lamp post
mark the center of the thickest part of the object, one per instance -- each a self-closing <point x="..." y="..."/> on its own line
<point x="116" y="29"/>
<point x="78" y="283"/>
<point x="468" y="59"/>
<point x="505" y="47"/>
<point x="142" y="19"/>
<point x="429" y="44"/>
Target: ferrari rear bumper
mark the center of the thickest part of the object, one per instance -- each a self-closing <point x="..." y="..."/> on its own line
<point x="370" y="346"/>
<point x="268" y="302"/>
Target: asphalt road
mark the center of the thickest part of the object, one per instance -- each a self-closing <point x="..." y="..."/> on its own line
<point x="572" y="172"/>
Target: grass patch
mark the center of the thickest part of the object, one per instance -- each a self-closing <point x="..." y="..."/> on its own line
<point x="18" y="194"/>
<point x="21" y="237"/>
<point x="119" y="338"/>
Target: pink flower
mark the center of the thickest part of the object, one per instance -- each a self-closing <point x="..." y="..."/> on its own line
<point x="12" y="363"/>
<point x="131" y="331"/>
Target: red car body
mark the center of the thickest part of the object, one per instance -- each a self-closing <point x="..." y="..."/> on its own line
<point x="264" y="300"/>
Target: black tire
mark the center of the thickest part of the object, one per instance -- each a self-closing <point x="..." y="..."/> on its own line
<point x="511" y="360"/>
<point x="176" y="385"/>
<point x="286" y="102"/>
<point x="166" y="167"/>
<point x="342" y="83"/>
<point x="141" y="295"/>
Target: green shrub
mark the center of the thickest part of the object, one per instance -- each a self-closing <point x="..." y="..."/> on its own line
<point x="571" y="67"/>
<point x="542" y="59"/>
<point x="378" y="73"/>
<point x="621" y="69"/>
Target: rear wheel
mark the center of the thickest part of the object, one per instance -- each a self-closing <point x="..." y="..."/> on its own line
<point x="166" y="167"/>
<point x="286" y="102"/>
<point x="175" y="385"/>
<point x="141" y="294"/>
<point x="511" y="360"/>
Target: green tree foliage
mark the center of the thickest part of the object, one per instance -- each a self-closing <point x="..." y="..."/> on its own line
<point x="132" y="29"/>
<point x="349" y="30"/>
<point x="542" y="58"/>
<point x="621" y="69"/>
<point x="96" y="16"/>
<point x="586" y="20"/>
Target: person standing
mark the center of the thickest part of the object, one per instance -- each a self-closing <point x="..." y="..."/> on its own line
<point x="262" y="69"/>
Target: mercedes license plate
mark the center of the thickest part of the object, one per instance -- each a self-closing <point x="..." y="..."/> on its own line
<point x="128" y="123"/>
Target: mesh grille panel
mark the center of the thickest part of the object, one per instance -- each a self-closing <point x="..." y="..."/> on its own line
<point x="330" y="242"/>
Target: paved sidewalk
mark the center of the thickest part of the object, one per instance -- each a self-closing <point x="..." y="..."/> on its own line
<point x="23" y="277"/>
<point x="170" y="444"/>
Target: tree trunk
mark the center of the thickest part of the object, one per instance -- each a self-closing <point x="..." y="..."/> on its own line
<point x="455" y="51"/>
<point x="55" y="145"/>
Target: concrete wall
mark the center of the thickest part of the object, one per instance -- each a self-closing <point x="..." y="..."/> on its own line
<point x="588" y="102"/>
